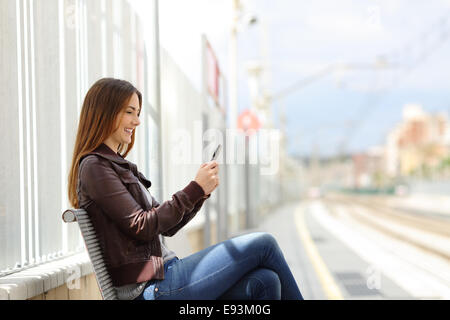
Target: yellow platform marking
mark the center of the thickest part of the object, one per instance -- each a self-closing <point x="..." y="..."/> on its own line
<point x="326" y="279"/>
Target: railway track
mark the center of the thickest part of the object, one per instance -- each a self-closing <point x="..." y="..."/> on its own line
<point x="375" y="211"/>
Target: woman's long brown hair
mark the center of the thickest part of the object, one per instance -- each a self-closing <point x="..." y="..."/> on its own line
<point x="98" y="120"/>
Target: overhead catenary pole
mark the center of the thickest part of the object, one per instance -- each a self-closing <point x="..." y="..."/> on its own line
<point x="233" y="107"/>
<point x="233" y="97"/>
<point x="232" y="112"/>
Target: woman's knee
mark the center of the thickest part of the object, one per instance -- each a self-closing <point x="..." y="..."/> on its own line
<point x="257" y="242"/>
<point x="267" y="239"/>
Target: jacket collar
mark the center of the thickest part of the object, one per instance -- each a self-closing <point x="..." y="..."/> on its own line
<point x="105" y="152"/>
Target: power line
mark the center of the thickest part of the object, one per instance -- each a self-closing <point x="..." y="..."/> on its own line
<point x="434" y="38"/>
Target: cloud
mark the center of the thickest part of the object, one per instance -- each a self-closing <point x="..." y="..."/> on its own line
<point x="347" y="25"/>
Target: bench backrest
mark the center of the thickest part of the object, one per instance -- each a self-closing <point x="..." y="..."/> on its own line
<point x="94" y="251"/>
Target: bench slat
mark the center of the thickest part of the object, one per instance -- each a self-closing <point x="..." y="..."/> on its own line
<point x="94" y="251"/>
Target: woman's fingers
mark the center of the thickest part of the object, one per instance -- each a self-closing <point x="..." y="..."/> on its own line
<point x="210" y="165"/>
<point x="213" y="164"/>
<point x="208" y="176"/>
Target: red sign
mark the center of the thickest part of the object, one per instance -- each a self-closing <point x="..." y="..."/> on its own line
<point x="248" y="120"/>
<point x="213" y="72"/>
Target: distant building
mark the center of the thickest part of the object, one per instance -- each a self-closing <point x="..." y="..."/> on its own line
<point x="368" y="167"/>
<point x="421" y="139"/>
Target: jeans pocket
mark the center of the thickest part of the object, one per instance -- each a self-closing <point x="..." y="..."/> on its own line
<point x="163" y="287"/>
<point x="170" y="282"/>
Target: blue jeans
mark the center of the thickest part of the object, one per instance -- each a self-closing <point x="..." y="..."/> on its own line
<point x="247" y="267"/>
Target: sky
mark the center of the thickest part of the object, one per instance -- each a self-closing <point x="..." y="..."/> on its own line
<point x="342" y="111"/>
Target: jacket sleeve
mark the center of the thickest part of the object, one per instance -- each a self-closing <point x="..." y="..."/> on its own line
<point x="186" y="218"/>
<point x="102" y="185"/>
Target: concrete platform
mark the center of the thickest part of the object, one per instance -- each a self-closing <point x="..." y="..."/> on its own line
<point x="323" y="265"/>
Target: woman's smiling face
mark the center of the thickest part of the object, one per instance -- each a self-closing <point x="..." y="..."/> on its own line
<point x="128" y="121"/>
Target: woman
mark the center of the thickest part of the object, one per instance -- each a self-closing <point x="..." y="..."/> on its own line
<point x="129" y="222"/>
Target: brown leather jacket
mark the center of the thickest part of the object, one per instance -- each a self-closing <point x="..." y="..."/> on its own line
<point x="126" y="224"/>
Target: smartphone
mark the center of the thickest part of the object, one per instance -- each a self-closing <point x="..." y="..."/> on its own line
<point x="216" y="153"/>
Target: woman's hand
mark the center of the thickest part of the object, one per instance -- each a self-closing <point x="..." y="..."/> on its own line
<point x="208" y="176"/>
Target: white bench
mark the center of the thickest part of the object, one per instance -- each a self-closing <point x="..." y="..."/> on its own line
<point x="94" y="251"/>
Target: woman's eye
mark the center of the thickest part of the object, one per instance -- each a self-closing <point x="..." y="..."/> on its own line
<point x="131" y="112"/>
